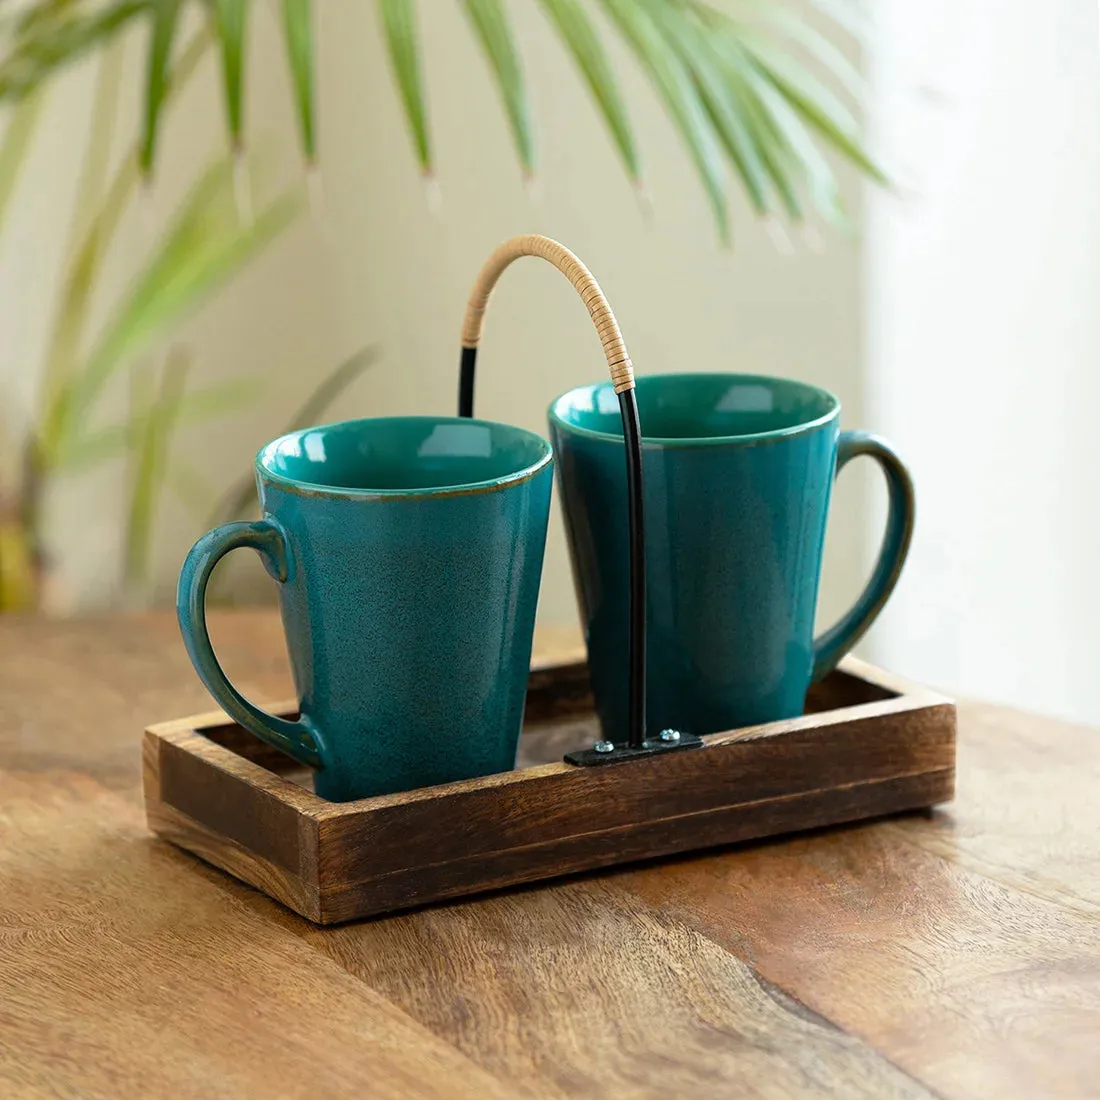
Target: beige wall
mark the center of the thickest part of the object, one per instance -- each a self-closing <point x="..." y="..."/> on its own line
<point x="378" y="268"/>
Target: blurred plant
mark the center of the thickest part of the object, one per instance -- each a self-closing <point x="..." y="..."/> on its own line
<point x="742" y="101"/>
<point x="205" y="245"/>
<point x="239" y="500"/>
<point x="735" y="84"/>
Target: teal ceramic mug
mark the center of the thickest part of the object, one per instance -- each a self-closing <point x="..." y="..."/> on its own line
<point x="738" y="471"/>
<point x="408" y="553"/>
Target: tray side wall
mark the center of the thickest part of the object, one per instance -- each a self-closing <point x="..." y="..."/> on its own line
<point x="229" y="821"/>
<point x="577" y="819"/>
<point x="634" y="844"/>
<point x="333" y="863"/>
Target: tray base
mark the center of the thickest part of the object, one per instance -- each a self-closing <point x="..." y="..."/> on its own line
<point x="870" y="744"/>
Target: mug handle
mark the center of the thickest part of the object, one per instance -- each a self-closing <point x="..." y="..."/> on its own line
<point x="839" y="639"/>
<point x="299" y="739"/>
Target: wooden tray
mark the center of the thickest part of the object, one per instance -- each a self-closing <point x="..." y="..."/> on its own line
<point x="870" y="744"/>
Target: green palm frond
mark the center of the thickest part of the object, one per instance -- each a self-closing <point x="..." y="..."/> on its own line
<point x="580" y="38"/>
<point x="48" y="35"/>
<point x="162" y="34"/>
<point x="399" y="25"/>
<point x="237" y="501"/>
<point x="195" y="406"/>
<point x="230" y="20"/>
<point x="94" y="234"/>
<point x="205" y="247"/>
<point x="298" y="31"/>
<point x="14" y="148"/>
<point x="780" y="25"/>
<point x="651" y="30"/>
<point x="149" y="453"/>
<point x="757" y="93"/>
<point x="493" y="29"/>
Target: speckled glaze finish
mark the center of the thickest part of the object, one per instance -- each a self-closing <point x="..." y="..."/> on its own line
<point x="408" y="552"/>
<point x="738" y="474"/>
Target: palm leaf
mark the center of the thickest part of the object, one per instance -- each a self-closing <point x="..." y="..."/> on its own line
<point x="778" y="17"/>
<point x="101" y="135"/>
<point x="330" y="388"/>
<point x="794" y="149"/>
<point x="48" y="37"/>
<point x="86" y="256"/>
<point x="174" y="283"/>
<point x="16" y="145"/>
<point x="162" y="33"/>
<point x="401" y="42"/>
<point x="219" y="399"/>
<point x="819" y="108"/>
<point x="580" y="38"/>
<point x="495" y="35"/>
<point x="771" y="152"/>
<point x="193" y="407"/>
<point x="231" y="18"/>
<point x="203" y="249"/>
<point x="298" y="30"/>
<point x="239" y="497"/>
<point x="95" y="209"/>
<point x="663" y="65"/>
<point x="149" y="465"/>
<point x="712" y="81"/>
<point x="717" y="76"/>
<point x="99" y="446"/>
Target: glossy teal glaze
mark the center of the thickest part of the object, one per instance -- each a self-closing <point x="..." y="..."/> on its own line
<point x="738" y="474"/>
<point x="408" y="552"/>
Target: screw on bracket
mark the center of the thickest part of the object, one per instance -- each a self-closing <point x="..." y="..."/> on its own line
<point x="607" y="752"/>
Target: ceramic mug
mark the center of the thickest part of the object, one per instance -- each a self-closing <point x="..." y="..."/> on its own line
<point x="738" y="473"/>
<point x="408" y="553"/>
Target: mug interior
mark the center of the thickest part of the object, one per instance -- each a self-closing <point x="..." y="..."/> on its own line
<point x="686" y="407"/>
<point x="402" y="453"/>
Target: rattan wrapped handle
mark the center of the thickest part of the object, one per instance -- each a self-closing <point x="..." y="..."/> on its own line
<point x="532" y="244"/>
<point x="622" y="378"/>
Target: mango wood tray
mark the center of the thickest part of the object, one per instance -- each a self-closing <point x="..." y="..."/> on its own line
<point x="869" y="744"/>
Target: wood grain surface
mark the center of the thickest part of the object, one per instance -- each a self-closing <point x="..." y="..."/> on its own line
<point x="951" y="954"/>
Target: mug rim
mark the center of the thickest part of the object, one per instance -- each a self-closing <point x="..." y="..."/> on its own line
<point x="341" y="492"/>
<point x="705" y="440"/>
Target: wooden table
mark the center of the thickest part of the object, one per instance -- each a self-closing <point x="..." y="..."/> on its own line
<point x="954" y="954"/>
